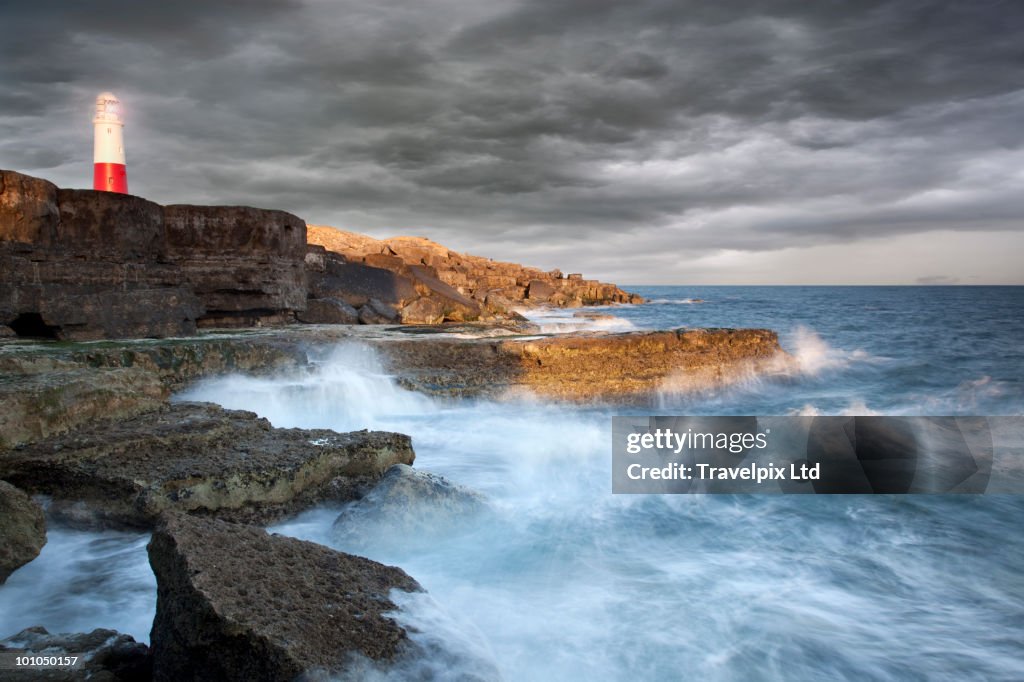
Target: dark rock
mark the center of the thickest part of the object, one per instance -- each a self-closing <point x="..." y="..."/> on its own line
<point x="22" y="529"/>
<point x="104" y="656"/>
<point x="198" y="457"/>
<point x="377" y="312"/>
<point x="357" y="283"/>
<point x="328" y="311"/>
<point x="241" y="261"/>
<point x="408" y="506"/>
<point x="235" y="603"/>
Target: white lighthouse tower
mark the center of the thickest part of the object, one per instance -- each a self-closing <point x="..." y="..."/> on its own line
<point x="108" y="171"/>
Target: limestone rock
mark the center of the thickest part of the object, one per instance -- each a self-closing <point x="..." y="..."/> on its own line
<point x="235" y="603"/>
<point x="28" y="209"/>
<point x="539" y="291"/>
<point x="22" y="529"/>
<point x="105" y="656"/>
<point x="198" y="457"/>
<point x="585" y="367"/>
<point x="408" y="506"/>
<point x="328" y="311"/>
<point x="468" y="279"/>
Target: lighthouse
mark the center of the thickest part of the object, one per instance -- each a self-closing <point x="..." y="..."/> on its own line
<point x="108" y="171"/>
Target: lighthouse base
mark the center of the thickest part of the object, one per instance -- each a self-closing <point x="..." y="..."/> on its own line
<point x="110" y="177"/>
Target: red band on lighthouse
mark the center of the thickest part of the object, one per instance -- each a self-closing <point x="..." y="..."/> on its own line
<point x="109" y="171"/>
<point x="110" y="177"/>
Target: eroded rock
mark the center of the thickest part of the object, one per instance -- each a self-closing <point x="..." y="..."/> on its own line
<point x="235" y="603"/>
<point x="198" y="457"/>
<point x="328" y="311"/>
<point x="22" y="529"/>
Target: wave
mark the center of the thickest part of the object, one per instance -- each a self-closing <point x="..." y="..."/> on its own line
<point x="814" y="355"/>
<point x="346" y="389"/>
<point x="557" y="321"/>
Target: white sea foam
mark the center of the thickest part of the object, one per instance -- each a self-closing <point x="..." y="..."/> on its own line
<point x="564" y="321"/>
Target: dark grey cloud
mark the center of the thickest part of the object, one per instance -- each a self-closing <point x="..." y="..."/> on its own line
<point x="547" y="129"/>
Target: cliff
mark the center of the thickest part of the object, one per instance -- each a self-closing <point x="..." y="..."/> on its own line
<point x="465" y="286"/>
<point x="83" y="265"/>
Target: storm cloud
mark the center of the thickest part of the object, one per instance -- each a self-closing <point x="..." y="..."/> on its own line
<point x="770" y="141"/>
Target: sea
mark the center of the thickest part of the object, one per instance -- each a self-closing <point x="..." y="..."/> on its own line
<point x="565" y="581"/>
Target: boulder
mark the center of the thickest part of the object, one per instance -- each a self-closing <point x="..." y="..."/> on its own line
<point x="198" y="457"/>
<point x="408" y="506"/>
<point x="539" y="291"/>
<point x="328" y="311"/>
<point x="103" y="656"/>
<point x="235" y="603"/>
<point x="22" y="529"/>
<point x="377" y="312"/>
<point x="332" y="276"/>
<point x="423" y="311"/>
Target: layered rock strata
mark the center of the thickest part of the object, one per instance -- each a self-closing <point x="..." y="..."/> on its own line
<point x="430" y="283"/>
<point x="82" y="264"/>
<point x="197" y="457"/>
<point x="235" y="603"/>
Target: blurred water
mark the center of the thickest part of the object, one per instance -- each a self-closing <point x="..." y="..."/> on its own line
<point x="567" y="581"/>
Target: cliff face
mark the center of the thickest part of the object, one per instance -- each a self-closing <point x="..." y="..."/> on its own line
<point x="465" y="286"/>
<point x="81" y="264"/>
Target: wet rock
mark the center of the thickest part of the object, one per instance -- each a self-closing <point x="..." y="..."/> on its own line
<point x="198" y="457"/>
<point x="377" y="312"/>
<point x="408" y="506"/>
<point x="328" y="311"/>
<point x="42" y="397"/>
<point x="22" y="529"/>
<point x="104" y="656"/>
<point x="235" y="603"/>
<point x="585" y="367"/>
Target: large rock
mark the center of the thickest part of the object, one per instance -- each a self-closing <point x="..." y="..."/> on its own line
<point x="423" y="311"/>
<point x="244" y="263"/>
<point x="103" y="656"/>
<point x="198" y="457"/>
<point x="584" y="367"/>
<point x="331" y="276"/>
<point x="22" y="529"/>
<point x="42" y="397"/>
<point x="328" y="311"/>
<point x="234" y="603"/>
<point x="408" y="506"/>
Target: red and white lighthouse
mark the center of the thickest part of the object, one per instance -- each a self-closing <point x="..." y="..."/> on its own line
<point x="108" y="171"/>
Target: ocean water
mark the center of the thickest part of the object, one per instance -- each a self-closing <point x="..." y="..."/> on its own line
<point x="563" y="580"/>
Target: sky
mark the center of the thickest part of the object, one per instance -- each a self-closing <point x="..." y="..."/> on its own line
<point x="642" y="142"/>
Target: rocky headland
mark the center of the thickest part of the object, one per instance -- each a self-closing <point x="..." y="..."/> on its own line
<point x="111" y="304"/>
